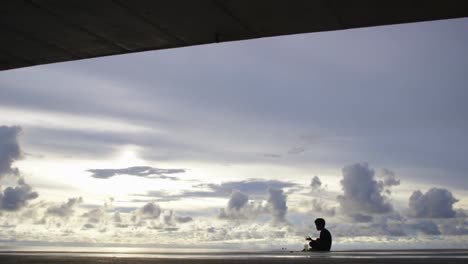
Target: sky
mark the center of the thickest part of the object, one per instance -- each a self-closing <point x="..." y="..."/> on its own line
<point x="242" y="145"/>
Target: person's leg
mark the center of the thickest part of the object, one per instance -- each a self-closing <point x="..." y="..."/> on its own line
<point x="313" y="245"/>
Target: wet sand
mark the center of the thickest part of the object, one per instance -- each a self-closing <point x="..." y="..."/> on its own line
<point x="51" y="259"/>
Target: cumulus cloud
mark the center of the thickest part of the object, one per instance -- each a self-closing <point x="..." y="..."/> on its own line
<point x="170" y="218"/>
<point x="237" y="207"/>
<point x="117" y="218"/>
<point x="139" y="171"/>
<point x="64" y="209"/>
<point x="319" y="207"/>
<point x="95" y="215"/>
<point x="362" y="192"/>
<point x="315" y="183"/>
<point x="10" y="150"/>
<point x="435" y="203"/>
<point x="14" y="198"/>
<point x="154" y="217"/>
<point x="150" y="210"/>
<point x="237" y="200"/>
<point x="276" y="204"/>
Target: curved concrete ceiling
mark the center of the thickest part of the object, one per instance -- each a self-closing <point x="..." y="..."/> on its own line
<point x="37" y="32"/>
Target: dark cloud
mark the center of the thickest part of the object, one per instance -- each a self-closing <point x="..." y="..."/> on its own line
<point x="251" y="187"/>
<point x="426" y="227"/>
<point x="389" y="178"/>
<point x="183" y="219"/>
<point x="140" y="171"/>
<point x="435" y="203"/>
<point x="276" y="204"/>
<point x="14" y="198"/>
<point x="65" y="209"/>
<point x="150" y="210"/>
<point x="315" y="183"/>
<point x="362" y="192"/>
<point x="237" y="207"/>
<point x="237" y="200"/>
<point x="455" y="226"/>
<point x="362" y="218"/>
<point x="10" y="150"/>
<point x="88" y="226"/>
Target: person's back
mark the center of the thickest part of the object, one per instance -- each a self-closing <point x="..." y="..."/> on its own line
<point x="325" y="240"/>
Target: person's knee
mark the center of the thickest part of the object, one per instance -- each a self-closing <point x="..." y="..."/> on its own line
<point x="313" y="244"/>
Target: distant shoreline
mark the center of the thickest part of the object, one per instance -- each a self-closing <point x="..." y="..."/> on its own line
<point x="55" y="259"/>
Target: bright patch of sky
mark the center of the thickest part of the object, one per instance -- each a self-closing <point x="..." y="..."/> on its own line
<point x="244" y="143"/>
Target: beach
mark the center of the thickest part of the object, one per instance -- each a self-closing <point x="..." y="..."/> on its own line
<point x="416" y="257"/>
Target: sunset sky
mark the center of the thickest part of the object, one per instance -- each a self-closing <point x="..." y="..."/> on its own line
<point x="241" y="145"/>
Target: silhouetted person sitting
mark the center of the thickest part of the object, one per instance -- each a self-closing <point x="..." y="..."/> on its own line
<point x="324" y="242"/>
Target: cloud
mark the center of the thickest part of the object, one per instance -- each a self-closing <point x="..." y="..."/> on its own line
<point x="150" y="210"/>
<point x="389" y="178"/>
<point x="455" y="226"/>
<point x="170" y="218"/>
<point x="154" y="217"/>
<point x="252" y="187"/>
<point x="117" y="218"/>
<point x="238" y="207"/>
<point x="139" y="171"/>
<point x="88" y="226"/>
<point x="65" y="209"/>
<point x="320" y="207"/>
<point x="14" y="198"/>
<point x="10" y="150"/>
<point x="426" y="227"/>
<point x="362" y="192"/>
<point x="276" y="203"/>
<point x="95" y="215"/>
<point x="271" y="155"/>
<point x="296" y="150"/>
<point x="435" y="203"/>
<point x="315" y="183"/>
<point x="167" y="217"/>
<point x="183" y="219"/>
<point x="237" y="200"/>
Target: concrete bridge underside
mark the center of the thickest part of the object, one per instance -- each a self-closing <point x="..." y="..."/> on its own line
<point x="35" y="32"/>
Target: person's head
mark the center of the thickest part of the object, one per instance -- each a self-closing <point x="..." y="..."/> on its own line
<point x="320" y="223"/>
